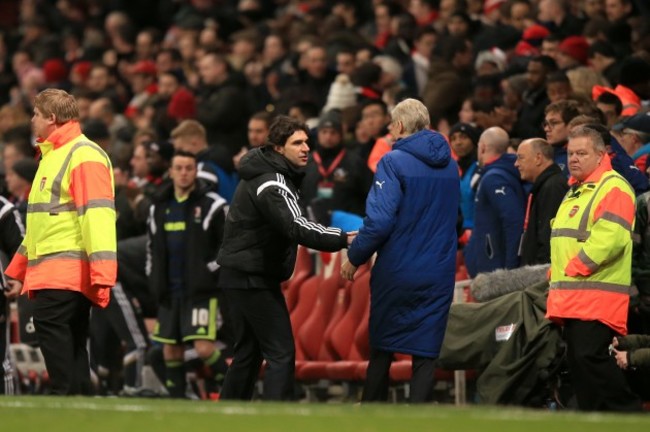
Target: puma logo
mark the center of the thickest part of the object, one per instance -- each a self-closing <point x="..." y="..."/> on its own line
<point x="500" y="191"/>
<point x="380" y="184"/>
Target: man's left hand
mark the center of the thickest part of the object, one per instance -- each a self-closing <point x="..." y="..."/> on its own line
<point x="15" y="287"/>
<point x="621" y="359"/>
<point x="348" y="270"/>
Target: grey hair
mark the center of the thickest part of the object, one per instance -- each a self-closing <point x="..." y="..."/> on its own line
<point x="594" y="136"/>
<point x="412" y="114"/>
<point x="644" y="137"/>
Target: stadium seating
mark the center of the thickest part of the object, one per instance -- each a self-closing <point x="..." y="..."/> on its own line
<point x="307" y="294"/>
<point x="310" y="335"/>
<point x="303" y="270"/>
<point x="330" y="324"/>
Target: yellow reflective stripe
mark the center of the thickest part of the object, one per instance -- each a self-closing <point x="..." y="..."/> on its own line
<point x="609" y="216"/>
<point x="51" y="207"/>
<point x="54" y="207"/>
<point x="571" y="233"/>
<point x="175" y="226"/>
<point x="58" y="180"/>
<point x="69" y="206"/>
<point x="22" y="250"/>
<point x="584" y="221"/>
<point x="96" y="203"/>
<point x="579" y="285"/>
<point x="581" y="234"/>
<point x="591" y="265"/>
<point x="77" y="255"/>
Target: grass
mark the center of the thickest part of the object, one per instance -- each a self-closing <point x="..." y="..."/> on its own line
<point x="49" y="414"/>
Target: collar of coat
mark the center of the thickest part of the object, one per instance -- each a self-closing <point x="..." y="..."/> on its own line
<point x="61" y="136"/>
<point x="594" y="177"/>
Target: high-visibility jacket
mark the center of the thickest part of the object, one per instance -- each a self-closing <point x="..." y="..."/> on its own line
<point x="70" y="242"/>
<point x="591" y="251"/>
<point x="630" y="100"/>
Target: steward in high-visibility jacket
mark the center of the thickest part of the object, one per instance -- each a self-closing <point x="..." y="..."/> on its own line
<point x="591" y="250"/>
<point x="70" y="242"/>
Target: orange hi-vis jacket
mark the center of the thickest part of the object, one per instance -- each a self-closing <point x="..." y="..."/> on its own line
<point x="70" y="243"/>
<point x="631" y="102"/>
<point x="591" y="251"/>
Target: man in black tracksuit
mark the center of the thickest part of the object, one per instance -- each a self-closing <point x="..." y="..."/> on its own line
<point x="186" y="225"/>
<point x="12" y="231"/>
<point x="263" y="229"/>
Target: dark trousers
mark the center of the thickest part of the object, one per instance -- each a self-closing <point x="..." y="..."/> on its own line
<point x="120" y="322"/>
<point x="61" y="322"/>
<point x="377" y="378"/>
<point x="598" y="383"/>
<point x="6" y="373"/>
<point x="262" y="330"/>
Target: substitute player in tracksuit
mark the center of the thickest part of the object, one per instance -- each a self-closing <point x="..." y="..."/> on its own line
<point x="185" y="232"/>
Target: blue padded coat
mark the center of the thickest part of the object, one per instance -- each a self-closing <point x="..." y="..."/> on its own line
<point x="412" y="209"/>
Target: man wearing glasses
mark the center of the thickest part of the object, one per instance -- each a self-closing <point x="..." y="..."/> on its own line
<point x="556" y="127"/>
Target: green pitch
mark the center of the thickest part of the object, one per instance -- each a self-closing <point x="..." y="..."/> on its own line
<point x="48" y="414"/>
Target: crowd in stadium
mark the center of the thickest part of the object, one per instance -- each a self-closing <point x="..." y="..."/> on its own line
<point x="162" y="84"/>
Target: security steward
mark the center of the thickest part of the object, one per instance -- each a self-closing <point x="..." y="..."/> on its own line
<point x="67" y="261"/>
<point x="591" y="253"/>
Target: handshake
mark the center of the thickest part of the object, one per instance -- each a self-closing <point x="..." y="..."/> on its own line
<point x="347" y="269"/>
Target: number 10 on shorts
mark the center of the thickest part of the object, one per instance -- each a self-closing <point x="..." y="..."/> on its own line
<point x="200" y="317"/>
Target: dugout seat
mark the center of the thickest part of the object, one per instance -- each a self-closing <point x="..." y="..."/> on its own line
<point x="302" y="271"/>
<point x="307" y="293"/>
<point x="309" y="336"/>
<point x="356" y="323"/>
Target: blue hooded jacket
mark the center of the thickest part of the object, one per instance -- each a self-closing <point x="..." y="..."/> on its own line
<point x="498" y="218"/>
<point x="412" y="209"/>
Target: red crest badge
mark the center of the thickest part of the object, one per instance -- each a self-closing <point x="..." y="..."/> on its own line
<point x="43" y="180"/>
<point x="574" y="210"/>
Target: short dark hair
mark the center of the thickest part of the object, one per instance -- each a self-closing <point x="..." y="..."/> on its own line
<point x="423" y="31"/>
<point x="282" y="128"/>
<point x="265" y="116"/>
<point x="547" y="62"/>
<point x="567" y="109"/>
<point x="557" y="77"/>
<point x="452" y="45"/>
<point x="380" y="103"/>
<point x="609" y="98"/>
<point x="183" y="153"/>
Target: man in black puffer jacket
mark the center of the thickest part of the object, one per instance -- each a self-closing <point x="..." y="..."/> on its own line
<point x="263" y="229"/>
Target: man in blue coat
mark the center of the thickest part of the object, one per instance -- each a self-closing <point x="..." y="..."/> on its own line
<point x="411" y="223"/>
<point x="500" y="207"/>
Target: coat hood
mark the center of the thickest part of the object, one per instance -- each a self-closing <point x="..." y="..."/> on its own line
<point x="428" y="146"/>
<point x="505" y="163"/>
<point x="265" y="160"/>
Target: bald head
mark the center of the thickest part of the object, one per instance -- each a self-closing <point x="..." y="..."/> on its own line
<point x="493" y="143"/>
<point x="534" y="156"/>
<point x="539" y="145"/>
